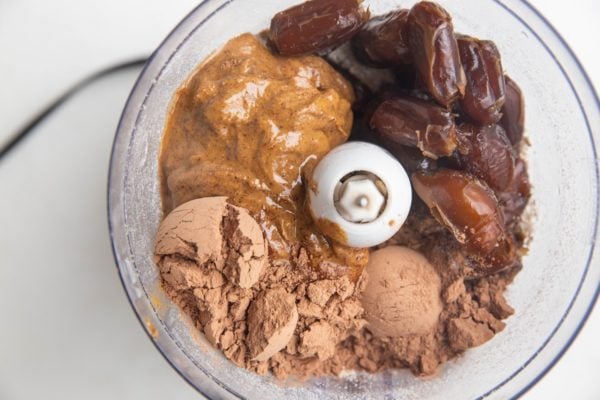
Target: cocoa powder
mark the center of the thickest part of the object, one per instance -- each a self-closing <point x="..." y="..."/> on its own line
<point x="296" y="322"/>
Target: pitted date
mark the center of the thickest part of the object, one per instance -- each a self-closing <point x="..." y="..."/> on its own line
<point x="469" y="210"/>
<point x="382" y="42"/>
<point x="408" y="121"/>
<point x="484" y="91"/>
<point x="316" y="26"/>
<point x="486" y="152"/>
<point x="513" y="112"/>
<point x="435" y="52"/>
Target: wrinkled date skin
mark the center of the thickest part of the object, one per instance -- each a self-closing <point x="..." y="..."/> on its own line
<point x="484" y="92"/>
<point x="513" y="112"/>
<point x="435" y="52"/>
<point x="382" y="42"/>
<point x="470" y="211"/>
<point x="486" y="152"/>
<point x="514" y="199"/>
<point x="316" y="26"/>
<point x="413" y="122"/>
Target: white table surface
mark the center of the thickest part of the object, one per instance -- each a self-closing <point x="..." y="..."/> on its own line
<point x="68" y="330"/>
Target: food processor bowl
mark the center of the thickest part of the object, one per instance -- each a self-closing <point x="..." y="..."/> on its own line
<point x="552" y="295"/>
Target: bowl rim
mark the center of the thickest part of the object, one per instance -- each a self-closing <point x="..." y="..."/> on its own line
<point x="592" y="250"/>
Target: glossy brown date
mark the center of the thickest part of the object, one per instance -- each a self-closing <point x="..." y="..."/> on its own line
<point x="469" y="210"/>
<point x="514" y="199"/>
<point x="486" y="152"/>
<point x="484" y="91"/>
<point x="316" y="26"/>
<point x="513" y="112"/>
<point x="382" y="42"/>
<point x="409" y="121"/>
<point x="435" y="52"/>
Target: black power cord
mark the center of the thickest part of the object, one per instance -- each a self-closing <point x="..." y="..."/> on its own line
<point x="22" y="133"/>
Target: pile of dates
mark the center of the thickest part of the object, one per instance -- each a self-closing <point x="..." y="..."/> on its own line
<point x="453" y="118"/>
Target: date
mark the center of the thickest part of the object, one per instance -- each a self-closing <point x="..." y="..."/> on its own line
<point x="485" y="90"/>
<point x="408" y="121"/>
<point x="435" y="52"/>
<point x="382" y="42"/>
<point x="469" y="209"/>
<point x="316" y="26"/>
<point x="486" y="152"/>
<point x="513" y="112"/>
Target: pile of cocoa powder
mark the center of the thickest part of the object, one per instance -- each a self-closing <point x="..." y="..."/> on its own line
<point x="316" y="318"/>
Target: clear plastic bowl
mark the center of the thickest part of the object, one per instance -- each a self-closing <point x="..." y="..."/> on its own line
<point x="553" y="294"/>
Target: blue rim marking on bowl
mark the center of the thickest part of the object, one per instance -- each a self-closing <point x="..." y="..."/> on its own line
<point x="592" y="247"/>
